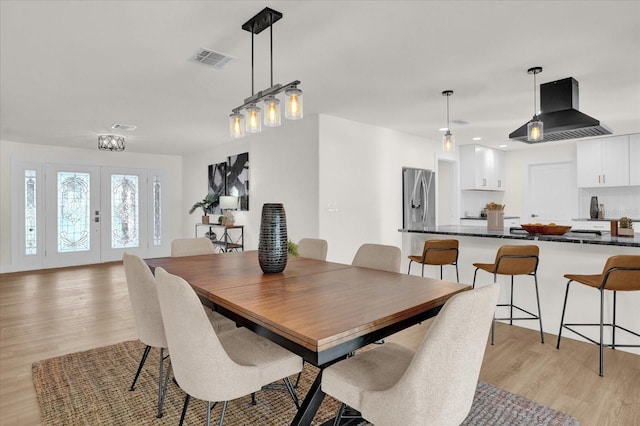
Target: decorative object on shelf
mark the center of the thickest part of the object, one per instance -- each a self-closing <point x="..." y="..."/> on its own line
<point x="448" y="141"/>
<point x="593" y="209"/>
<point x="110" y="143"/>
<point x="614" y="228"/>
<point x="535" y="128"/>
<point x="273" y="242"/>
<point x="253" y="124"/>
<point x="601" y="211"/>
<point x="228" y="203"/>
<point x="626" y="227"/>
<point x="207" y="202"/>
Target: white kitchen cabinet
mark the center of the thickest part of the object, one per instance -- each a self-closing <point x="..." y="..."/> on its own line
<point x="603" y="162"/>
<point x="634" y="159"/>
<point x="481" y="168"/>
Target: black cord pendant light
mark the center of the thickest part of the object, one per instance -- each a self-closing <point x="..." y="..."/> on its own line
<point x="448" y="141"/>
<point x="535" y="128"/>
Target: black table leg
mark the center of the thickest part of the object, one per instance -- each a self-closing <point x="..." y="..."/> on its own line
<point x="311" y="403"/>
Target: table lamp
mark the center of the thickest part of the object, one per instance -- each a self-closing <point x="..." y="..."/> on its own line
<point x="227" y="204"/>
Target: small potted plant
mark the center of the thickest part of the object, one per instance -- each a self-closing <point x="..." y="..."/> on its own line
<point x="292" y="249"/>
<point x="626" y="227"/>
<point x="205" y="204"/>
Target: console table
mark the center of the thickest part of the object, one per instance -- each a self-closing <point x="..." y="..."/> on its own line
<point x="228" y="241"/>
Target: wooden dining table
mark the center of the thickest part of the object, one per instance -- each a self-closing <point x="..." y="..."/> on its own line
<point x="319" y="310"/>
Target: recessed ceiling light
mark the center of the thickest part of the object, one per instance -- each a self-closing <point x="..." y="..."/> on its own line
<point x="477" y="138"/>
<point x="502" y="146"/>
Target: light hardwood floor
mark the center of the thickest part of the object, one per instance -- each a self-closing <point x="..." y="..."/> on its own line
<point x="49" y="313"/>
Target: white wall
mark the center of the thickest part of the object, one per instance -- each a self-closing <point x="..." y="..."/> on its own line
<point x="11" y="152"/>
<point x="283" y="168"/>
<point x="360" y="179"/>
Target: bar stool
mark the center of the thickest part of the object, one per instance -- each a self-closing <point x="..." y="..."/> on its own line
<point x="514" y="260"/>
<point x="437" y="252"/>
<point x="620" y="273"/>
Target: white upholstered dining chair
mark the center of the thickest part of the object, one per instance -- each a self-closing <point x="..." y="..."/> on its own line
<point x="143" y="296"/>
<point x="191" y="247"/>
<point x="393" y="385"/>
<point x="313" y="248"/>
<point x="378" y="256"/>
<point x="217" y="367"/>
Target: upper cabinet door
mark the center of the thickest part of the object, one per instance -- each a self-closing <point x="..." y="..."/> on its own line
<point x="481" y="168"/>
<point x="615" y="163"/>
<point x="603" y="162"/>
<point x="589" y="163"/>
<point x="634" y="159"/>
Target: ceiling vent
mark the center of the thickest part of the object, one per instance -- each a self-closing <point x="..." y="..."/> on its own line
<point x="123" y="126"/>
<point x="215" y="59"/>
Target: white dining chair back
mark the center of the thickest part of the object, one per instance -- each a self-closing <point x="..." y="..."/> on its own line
<point x="211" y="366"/>
<point x="191" y="247"/>
<point x="313" y="248"/>
<point x="393" y="385"/>
<point x="143" y="296"/>
<point x="378" y="256"/>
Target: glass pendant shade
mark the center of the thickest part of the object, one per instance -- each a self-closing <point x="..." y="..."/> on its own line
<point x="272" y="112"/>
<point x="448" y="142"/>
<point x="236" y="125"/>
<point x="294" y="104"/>
<point x="110" y="143"/>
<point x="254" y="122"/>
<point x="535" y="130"/>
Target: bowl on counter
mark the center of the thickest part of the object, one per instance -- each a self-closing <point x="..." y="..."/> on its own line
<point x="546" y="229"/>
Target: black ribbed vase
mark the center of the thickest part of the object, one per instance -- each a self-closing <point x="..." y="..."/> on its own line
<point x="272" y="247"/>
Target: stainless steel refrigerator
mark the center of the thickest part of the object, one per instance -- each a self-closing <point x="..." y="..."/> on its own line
<point x="419" y="199"/>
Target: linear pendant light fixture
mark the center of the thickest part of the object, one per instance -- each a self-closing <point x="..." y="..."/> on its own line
<point x="448" y="141"/>
<point x="535" y="128"/>
<point x="270" y="113"/>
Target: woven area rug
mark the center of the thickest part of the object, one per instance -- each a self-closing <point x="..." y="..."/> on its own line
<point x="92" y="387"/>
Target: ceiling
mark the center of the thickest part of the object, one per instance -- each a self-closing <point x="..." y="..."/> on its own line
<point x="71" y="69"/>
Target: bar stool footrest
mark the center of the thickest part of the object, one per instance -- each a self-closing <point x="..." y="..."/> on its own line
<point x="506" y="305"/>
<point x="595" y="342"/>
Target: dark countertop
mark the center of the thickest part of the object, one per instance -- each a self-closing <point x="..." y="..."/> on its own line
<point x="608" y="219"/>
<point x="481" y="231"/>
<point x="484" y="218"/>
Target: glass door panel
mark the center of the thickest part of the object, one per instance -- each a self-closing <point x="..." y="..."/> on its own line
<point x="124" y="221"/>
<point x="73" y="209"/>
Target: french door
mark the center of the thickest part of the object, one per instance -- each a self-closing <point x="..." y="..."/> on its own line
<point x="93" y="214"/>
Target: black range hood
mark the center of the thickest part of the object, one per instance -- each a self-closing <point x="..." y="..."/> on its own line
<point x="560" y="115"/>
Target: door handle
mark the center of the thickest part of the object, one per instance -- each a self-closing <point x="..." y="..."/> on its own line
<point x="534" y="215"/>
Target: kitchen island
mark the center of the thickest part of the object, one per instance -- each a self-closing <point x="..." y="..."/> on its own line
<point x="572" y="253"/>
